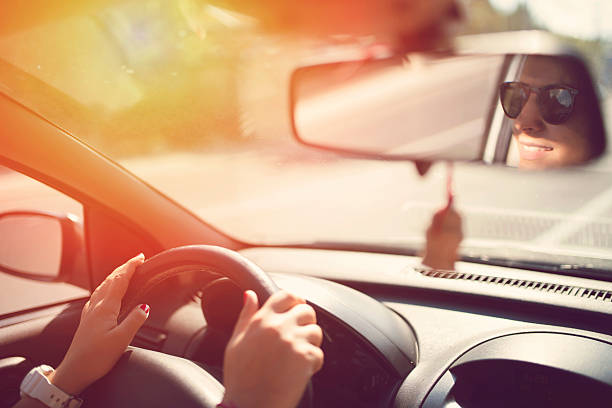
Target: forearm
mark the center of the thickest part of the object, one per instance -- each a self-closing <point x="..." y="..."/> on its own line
<point x="27" y="402"/>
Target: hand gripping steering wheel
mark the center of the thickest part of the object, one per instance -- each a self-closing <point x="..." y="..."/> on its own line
<point x="145" y="378"/>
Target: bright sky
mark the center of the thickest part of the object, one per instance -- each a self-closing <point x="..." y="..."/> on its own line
<point x="586" y="19"/>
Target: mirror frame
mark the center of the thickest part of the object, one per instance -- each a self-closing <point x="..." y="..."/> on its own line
<point x="511" y="43"/>
<point x="72" y="245"/>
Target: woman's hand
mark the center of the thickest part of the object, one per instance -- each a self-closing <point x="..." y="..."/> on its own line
<point x="443" y="238"/>
<point x="99" y="341"/>
<point x="272" y="353"/>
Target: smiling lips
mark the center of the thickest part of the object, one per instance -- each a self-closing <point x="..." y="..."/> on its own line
<point x="532" y="150"/>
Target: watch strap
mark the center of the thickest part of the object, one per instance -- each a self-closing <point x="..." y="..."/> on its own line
<point x="36" y="385"/>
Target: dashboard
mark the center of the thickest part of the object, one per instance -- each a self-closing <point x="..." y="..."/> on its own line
<point x="528" y="369"/>
<point x="396" y="335"/>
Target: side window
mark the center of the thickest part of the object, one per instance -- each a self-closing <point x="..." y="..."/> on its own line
<point x="39" y="230"/>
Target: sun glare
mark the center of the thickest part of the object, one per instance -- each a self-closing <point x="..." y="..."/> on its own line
<point x="506" y="6"/>
<point x="584" y="19"/>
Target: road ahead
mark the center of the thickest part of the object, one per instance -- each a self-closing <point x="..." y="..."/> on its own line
<point x="285" y="193"/>
<point x="282" y="192"/>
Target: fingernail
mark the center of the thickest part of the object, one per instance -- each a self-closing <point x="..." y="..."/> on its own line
<point x="145" y="308"/>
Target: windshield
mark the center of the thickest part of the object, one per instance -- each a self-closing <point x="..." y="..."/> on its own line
<point x="194" y="100"/>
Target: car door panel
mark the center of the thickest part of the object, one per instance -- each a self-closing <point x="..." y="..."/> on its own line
<point x="36" y="337"/>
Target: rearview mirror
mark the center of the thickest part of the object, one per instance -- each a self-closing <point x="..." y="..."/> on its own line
<point x="37" y="245"/>
<point x="529" y="111"/>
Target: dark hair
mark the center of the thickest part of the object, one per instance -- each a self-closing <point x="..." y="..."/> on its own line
<point x="588" y="101"/>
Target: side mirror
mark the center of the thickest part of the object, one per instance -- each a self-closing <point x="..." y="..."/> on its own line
<point x="525" y="110"/>
<point x="40" y="246"/>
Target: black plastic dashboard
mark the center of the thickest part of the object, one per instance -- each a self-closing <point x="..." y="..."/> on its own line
<point x="528" y="369"/>
<point x="368" y="348"/>
<point x="478" y="343"/>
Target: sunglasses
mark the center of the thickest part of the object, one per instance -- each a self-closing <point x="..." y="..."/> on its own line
<point x="555" y="102"/>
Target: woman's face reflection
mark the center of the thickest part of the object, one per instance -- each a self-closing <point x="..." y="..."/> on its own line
<point x="542" y="145"/>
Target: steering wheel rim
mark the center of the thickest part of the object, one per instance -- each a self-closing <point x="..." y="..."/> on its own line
<point x="186" y="381"/>
<point x="213" y="259"/>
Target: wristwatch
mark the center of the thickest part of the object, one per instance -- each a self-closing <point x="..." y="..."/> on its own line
<point x="36" y="385"/>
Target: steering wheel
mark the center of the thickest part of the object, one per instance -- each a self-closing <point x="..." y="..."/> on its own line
<point x="145" y="378"/>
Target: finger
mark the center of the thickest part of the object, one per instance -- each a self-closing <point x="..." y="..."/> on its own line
<point x="119" y="277"/>
<point x="282" y="301"/>
<point x="126" y="330"/>
<point x="98" y="293"/>
<point x="303" y="314"/>
<point x="312" y="333"/>
<point x="122" y="275"/>
<point x="86" y="306"/>
<point x="249" y="308"/>
<point x="315" y="357"/>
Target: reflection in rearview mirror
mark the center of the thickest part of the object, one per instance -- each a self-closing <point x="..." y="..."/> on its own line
<point x="553" y="112"/>
<point x="528" y="111"/>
